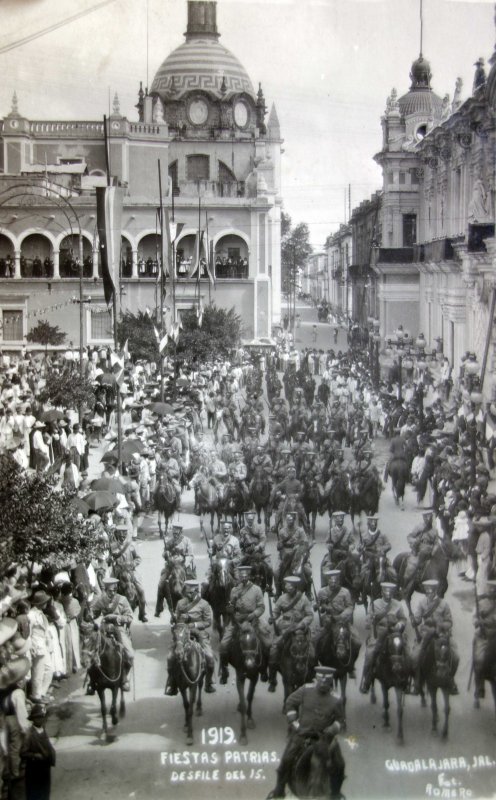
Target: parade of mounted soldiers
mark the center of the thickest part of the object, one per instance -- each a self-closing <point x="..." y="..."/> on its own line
<point x="260" y="486"/>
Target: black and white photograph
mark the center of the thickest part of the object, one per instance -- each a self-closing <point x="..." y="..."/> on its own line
<point x="247" y="399"/>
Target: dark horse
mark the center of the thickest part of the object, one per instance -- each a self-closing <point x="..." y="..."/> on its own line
<point x="260" y="490"/>
<point x="393" y="671"/>
<point x="297" y="662"/>
<point x="188" y="672"/>
<point x="319" y="771"/>
<point x="165" y="501"/>
<point x="336" y="649"/>
<point x="365" y="495"/>
<point x="108" y="672"/>
<point x="296" y="562"/>
<point x="485" y="670"/>
<point x="171" y="586"/>
<point x="436" y="567"/>
<point x="207" y="501"/>
<point x="261" y="570"/>
<point x="338" y="496"/>
<point x="436" y="672"/>
<point x="246" y="656"/>
<point x="218" y="591"/>
<point x="234" y="503"/>
<point x="398" y="470"/>
<point x="311" y="501"/>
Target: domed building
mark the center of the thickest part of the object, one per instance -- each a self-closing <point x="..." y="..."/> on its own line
<point x="219" y="155"/>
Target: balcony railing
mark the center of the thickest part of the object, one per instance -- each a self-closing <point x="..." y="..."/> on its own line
<point x="437" y="250"/>
<point x="395" y="255"/>
<point x="476" y="236"/>
<point x="210" y="189"/>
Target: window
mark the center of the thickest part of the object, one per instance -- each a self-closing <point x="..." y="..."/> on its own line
<point x="12" y="330"/>
<point x="402" y="178"/>
<point x="101" y="324"/>
<point x="197" y="168"/>
<point x="414" y="178"/>
<point x="174" y="178"/>
<point x="409" y="229"/>
<point x="390" y="177"/>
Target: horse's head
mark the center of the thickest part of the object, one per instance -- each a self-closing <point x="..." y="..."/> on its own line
<point x="442" y="656"/>
<point x="395" y="648"/>
<point x="222" y="571"/>
<point x="250" y="647"/>
<point x="180" y="638"/>
<point x="177" y="575"/>
<point x="299" y="558"/>
<point x="342" y="641"/>
<point x="298" y="650"/>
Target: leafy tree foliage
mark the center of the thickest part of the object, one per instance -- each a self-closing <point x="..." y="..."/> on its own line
<point x="39" y="525"/>
<point x="67" y="388"/>
<point x="45" y="334"/>
<point x="220" y="331"/>
<point x="295" y="249"/>
<point x="138" y="330"/>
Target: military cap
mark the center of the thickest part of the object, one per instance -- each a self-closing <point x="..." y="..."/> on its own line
<point x="431" y="582"/>
<point x="427" y="511"/>
<point x="340" y="514"/>
<point x="191" y="582"/>
<point x="332" y="572"/>
<point x="244" y="568"/>
<point x="177" y="527"/>
<point x="291" y="579"/>
<point x="388" y="585"/>
<point x="324" y="670"/>
<point x="110" y="581"/>
<point x="373" y="516"/>
<point x="249" y="513"/>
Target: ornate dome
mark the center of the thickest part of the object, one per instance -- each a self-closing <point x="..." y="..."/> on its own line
<point x="201" y="63"/>
<point x="420" y="99"/>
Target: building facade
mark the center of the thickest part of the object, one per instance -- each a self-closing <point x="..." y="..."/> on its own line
<point x="366" y="224"/>
<point x="340" y="258"/>
<point x="219" y="154"/>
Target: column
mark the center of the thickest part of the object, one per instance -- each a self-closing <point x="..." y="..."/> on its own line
<point x="56" y="266"/>
<point x="17" y="263"/>
<point x="95" y="263"/>
<point x="134" y="264"/>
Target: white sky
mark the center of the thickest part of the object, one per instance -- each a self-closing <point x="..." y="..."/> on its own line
<point x="328" y="65"/>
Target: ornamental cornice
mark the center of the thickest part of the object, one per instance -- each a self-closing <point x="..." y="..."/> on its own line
<point x="454" y="313"/>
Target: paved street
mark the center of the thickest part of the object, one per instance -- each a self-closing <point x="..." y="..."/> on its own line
<point x="148" y="757"/>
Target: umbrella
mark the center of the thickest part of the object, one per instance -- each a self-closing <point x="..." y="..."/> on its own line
<point x="113" y="485"/>
<point x="106" y="379"/>
<point x="182" y="382"/>
<point x="79" y="506"/>
<point x="96" y="501"/>
<point x="129" y="447"/>
<point x="110" y="457"/>
<point x="161" y="409"/>
<point x="51" y="415"/>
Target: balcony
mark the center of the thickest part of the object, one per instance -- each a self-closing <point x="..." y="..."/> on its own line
<point x="437" y="250"/>
<point x="395" y="255"/>
<point x="476" y="236"/>
<point x="232" y="189"/>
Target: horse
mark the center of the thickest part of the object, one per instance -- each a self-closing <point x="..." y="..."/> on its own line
<point x="171" y="585"/>
<point x="260" y="491"/>
<point x="335" y="648"/>
<point x="393" y="671"/>
<point x="188" y="667"/>
<point x="126" y="586"/>
<point x="319" y="771"/>
<point x="164" y="500"/>
<point x="365" y="495"/>
<point x="435" y="568"/>
<point x="297" y="663"/>
<point x="436" y="673"/>
<point x="108" y="672"/>
<point x="218" y="590"/>
<point x="261" y="570"/>
<point x="338" y="496"/>
<point x="247" y="658"/>
<point x="296" y="562"/>
<point x="380" y="571"/>
<point x="397" y="468"/>
<point x="485" y="670"/>
<point x="207" y="501"/>
<point x="234" y="503"/>
<point x="311" y="501"/>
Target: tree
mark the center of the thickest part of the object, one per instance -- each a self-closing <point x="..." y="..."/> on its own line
<point x="139" y="332"/>
<point x="44" y="333"/>
<point x="218" y="334"/>
<point x="67" y="388"/>
<point x="39" y="525"/>
<point x="295" y="250"/>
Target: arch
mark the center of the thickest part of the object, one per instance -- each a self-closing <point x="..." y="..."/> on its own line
<point x="69" y="256"/>
<point x="42" y="232"/>
<point x="126" y="256"/>
<point x="186" y="254"/>
<point x="7" y="256"/>
<point x="231" y="255"/>
<point x="61" y="236"/>
<point x="232" y="232"/>
<point x="36" y="255"/>
<point x="149" y="247"/>
<point x="8" y="235"/>
<point x="99" y="172"/>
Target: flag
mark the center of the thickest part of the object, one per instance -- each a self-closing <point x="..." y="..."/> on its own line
<point x="148" y="311"/>
<point x="163" y="343"/>
<point x="210" y="262"/>
<point x="125" y="350"/>
<point x="109" y="223"/>
<point x="199" y="314"/>
<point x="157" y="335"/>
<point x="197" y="254"/>
<point x="116" y="360"/>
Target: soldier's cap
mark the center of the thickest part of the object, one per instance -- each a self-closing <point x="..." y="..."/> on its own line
<point x="249" y="513"/>
<point x="340" y="514"/>
<point x="300" y="433"/>
<point x="191" y="582"/>
<point x="332" y="572"/>
<point x="291" y="466"/>
<point x="373" y="516"/>
<point x="291" y="579"/>
<point x="325" y="671"/>
<point x="285" y="450"/>
<point x="388" y="585"/>
<point x="427" y="511"/>
<point x="367" y="453"/>
<point x="110" y="581"/>
<point x="244" y="568"/>
<point x="290" y="514"/>
<point x="226" y="523"/>
<point x="177" y="527"/>
<point x="431" y="582"/>
<point x="121" y="528"/>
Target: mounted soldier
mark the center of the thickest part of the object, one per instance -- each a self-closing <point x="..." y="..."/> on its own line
<point x="125" y="559"/>
<point x="336" y="609"/>
<point x="262" y="461"/>
<point x="340" y="541"/>
<point x="246" y="606"/>
<point x="422" y="541"/>
<point x="374" y="548"/>
<point x="484" y="639"/>
<point x="225" y="544"/>
<point x="170" y="466"/>
<point x="194" y="611"/>
<point x="292" y="612"/>
<point x="252" y="538"/>
<point x="386" y="615"/>
<point x="237" y="472"/>
<point x="115" y="610"/>
<point x="433" y="620"/>
<point x="178" y="552"/>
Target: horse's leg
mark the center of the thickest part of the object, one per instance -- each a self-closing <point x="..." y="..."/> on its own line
<point x="199" y="707"/>
<point x="103" y="709"/>
<point x="373" y="698"/>
<point x="343" y="681"/>
<point x="113" y="707"/>
<point x="385" y="704"/>
<point x="433" y="694"/>
<point x="259" y="513"/>
<point x="240" y="686"/>
<point x="444" y="732"/>
<point x="400" y="696"/>
<point x="122" y="705"/>
<point x="493" y="687"/>
<point x="250" y="722"/>
<point x="188" y="726"/>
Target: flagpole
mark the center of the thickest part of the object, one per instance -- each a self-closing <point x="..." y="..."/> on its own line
<point x="209" y="264"/>
<point x="199" y="245"/>
<point x="161" y="218"/>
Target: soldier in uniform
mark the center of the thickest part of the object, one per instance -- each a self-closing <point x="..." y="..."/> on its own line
<point x="340" y="542"/>
<point x="197" y="614"/>
<point x="126" y="559"/>
<point x="114" y="608"/>
<point x="225" y="544"/>
<point x="374" y="546"/>
<point x="282" y="462"/>
<point x="177" y="549"/>
<point x="290" y="538"/>
<point x="312" y="710"/>
<point x="292" y="612"/>
<point x="237" y="472"/>
<point x="252" y="538"/>
<point x="422" y="541"/>
<point x="246" y="605"/>
<point x="262" y="461"/>
<point x="433" y="619"/>
<point x="386" y="615"/>
<point x="336" y="608"/>
<point x="170" y="466"/>
<point x="485" y="631"/>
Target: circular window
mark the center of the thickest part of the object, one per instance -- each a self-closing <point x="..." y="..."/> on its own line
<point x="420" y="132"/>
<point x="241" y="114"/>
<point x="198" y="111"/>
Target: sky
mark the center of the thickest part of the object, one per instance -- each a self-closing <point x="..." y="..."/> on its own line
<point x="328" y="65"/>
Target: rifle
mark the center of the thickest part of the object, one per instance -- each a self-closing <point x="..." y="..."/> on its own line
<point x="317" y="602"/>
<point x="207" y="540"/>
<point x="374" y="624"/>
<point x="412" y="620"/>
<point x="169" y="601"/>
<point x="274" y="623"/>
